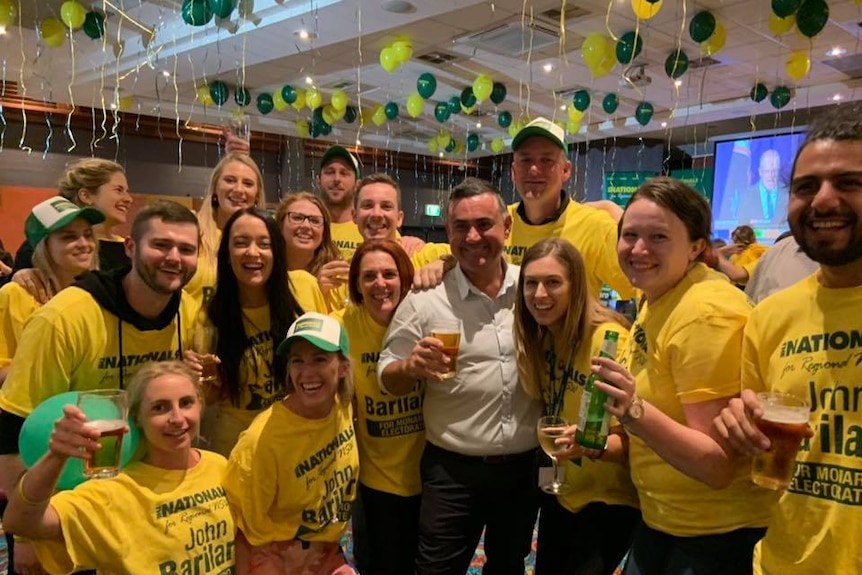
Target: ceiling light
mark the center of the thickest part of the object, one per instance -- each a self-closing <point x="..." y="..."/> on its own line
<point x="478" y="125"/>
<point x="677" y="83"/>
<point x="2" y="30"/>
<point x="836" y="51"/>
<point x="548" y="68"/>
<point x="440" y="154"/>
<point x="398" y="6"/>
<point x="563" y="107"/>
<point x="304" y="35"/>
<point x="664" y="124"/>
<point x="166" y="74"/>
<point x="837" y="98"/>
<point x="309" y="81"/>
<point x="358" y="142"/>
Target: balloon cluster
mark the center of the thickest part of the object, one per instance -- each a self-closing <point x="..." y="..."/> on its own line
<point x="73" y="16"/>
<point x="201" y="12"/>
<point x="444" y="143"/>
<point x="708" y="32"/>
<point x="810" y="16"/>
<point x="397" y="53"/>
<point x="779" y="98"/>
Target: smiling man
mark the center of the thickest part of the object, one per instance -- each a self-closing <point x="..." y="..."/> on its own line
<point x="540" y="169"/>
<point x="339" y="172"/>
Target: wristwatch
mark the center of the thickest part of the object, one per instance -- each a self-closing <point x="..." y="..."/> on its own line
<point x="634" y="412"/>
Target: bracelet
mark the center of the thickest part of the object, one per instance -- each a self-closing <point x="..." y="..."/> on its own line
<point x="26" y="499"/>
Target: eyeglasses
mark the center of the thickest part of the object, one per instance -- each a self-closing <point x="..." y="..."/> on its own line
<point x="297" y="218"/>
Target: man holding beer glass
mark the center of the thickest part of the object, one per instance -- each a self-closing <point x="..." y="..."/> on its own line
<point x="802" y="345"/>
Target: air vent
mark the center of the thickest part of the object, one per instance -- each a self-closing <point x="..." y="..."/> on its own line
<point x="437" y="58"/>
<point x="513" y="38"/>
<point x="704" y="62"/>
<point x="572" y="12"/>
<point x="850" y="65"/>
<point x="340" y="85"/>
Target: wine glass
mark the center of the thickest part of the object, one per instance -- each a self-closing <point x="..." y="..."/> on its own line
<point x="549" y="428"/>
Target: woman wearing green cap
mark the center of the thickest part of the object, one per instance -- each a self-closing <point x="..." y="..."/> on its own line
<point x="292" y="477"/>
<point x="61" y="234"/>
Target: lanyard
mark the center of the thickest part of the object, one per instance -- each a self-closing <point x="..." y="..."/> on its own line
<point x="555" y="395"/>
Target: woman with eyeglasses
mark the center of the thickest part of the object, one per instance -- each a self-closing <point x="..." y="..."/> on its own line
<point x="304" y="223"/>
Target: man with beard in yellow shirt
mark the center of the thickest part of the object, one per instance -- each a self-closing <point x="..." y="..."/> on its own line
<point x="805" y="341"/>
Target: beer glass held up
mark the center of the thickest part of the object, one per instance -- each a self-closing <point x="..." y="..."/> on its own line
<point x="448" y="331"/>
<point x="785" y="423"/>
<point x="203" y="343"/>
<point x="107" y="411"/>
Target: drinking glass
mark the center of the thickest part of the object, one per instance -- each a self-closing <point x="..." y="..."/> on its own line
<point x="785" y="423"/>
<point x="549" y="428"/>
<point x="107" y="411"/>
<point x="448" y="331"/>
<point x="203" y="343"/>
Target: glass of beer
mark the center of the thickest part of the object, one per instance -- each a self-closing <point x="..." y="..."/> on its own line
<point x="448" y="331"/>
<point x="548" y="429"/>
<point x="785" y="423"/>
<point x="203" y="343"/>
<point x="107" y="411"/>
<point x="240" y="125"/>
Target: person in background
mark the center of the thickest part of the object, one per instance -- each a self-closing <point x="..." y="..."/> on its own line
<point x="336" y="180"/>
<point x="292" y="477"/>
<point x="540" y="169"/>
<point x="765" y="201"/>
<point x="680" y="367"/>
<point x="304" y="224"/>
<point x="559" y="327"/>
<point x="478" y="467"/>
<point x="97" y="183"/>
<point x="6" y="265"/>
<point x="129" y="524"/>
<point x="390" y="434"/>
<point x="784" y="264"/>
<point x="816" y="526"/>
<point x="252" y="306"/>
<point x="64" y="248"/>
<point x="739" y="259"/>
<point x="235" y="183"/>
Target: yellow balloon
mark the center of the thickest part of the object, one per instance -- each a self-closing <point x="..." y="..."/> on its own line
<point x="482" y="87"/>
<point x="329" y="114"/>
<point x="574" y="114"/>
<point x="497" y="145"/>
<point x="8" y="13"/>
<point x="366" y="115"/>
<point x="779" y="26"/>
<point x="715" y="43"/>
<point x="313" y="99"/>
<point x="433" y="146"/>
<point x="443" y="139"/>
<point x="459" y="147"/>
<point x="467" y="111"/>
<point x="278" y="101"/>
<point x="338" y="114"/>
<point x="644" y="10"/>
<point x="72" y="14"/>
<point x="379" y="116"/>
<point x="339" y="100"/>
<point x="415" y="105"/>
<point x="403" y="50"/>
<point x="594" y="48"/>
<point x="303" y="128"/>
<point x="798" y="65"/>
<point x="53" y="32"/>
<point x="605" y="66"/>
<point x="299" y="103"/>
<point x="388" y="59"/>
<point x="126" y="103"/>
<point x="204" y="96"/>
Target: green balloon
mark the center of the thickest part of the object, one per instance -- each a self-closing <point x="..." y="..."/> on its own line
<point x="468" y="98"/>
<point x="504" y="119"/>
<point x="702" y="26"/>
<point x="219" y="92"/>
<point x="450" y="147"/>
<point x="780" y="97"/>
<point x="785" y="8"/>
<point x="391" y="110"/>
<point x="758" y="92"/>
<point x="94" y="25"/>
<point x="242" y="97"/>
<point x="222" y="8"/>
<point x="643" y="113"/>
<point x="288" y="94"/>
<point x="610" y="103"/>
<point x="197" y="12"/>
<point x="426" y="85"/>
<point x="350" y="114"/>
<point x="472" y="142"/>
<point x="676" y="64"/>
<point x="498" y="93"/>
<point x="812" y="17"/>
<point x="628" y="47"/>
<point x="441" y="111"/>
<point x="264" y="103"/>
<point x="325" y="129"/>
<point x="455" y="105"/>
<point x="581" y="100"/>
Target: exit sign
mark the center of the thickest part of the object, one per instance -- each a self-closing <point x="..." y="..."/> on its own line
<point x="433" y="210"/>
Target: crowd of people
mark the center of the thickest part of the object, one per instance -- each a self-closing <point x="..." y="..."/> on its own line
<point x="336" y="400"/>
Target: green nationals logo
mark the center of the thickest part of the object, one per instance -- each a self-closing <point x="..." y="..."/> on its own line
<point x="637" y="348"/>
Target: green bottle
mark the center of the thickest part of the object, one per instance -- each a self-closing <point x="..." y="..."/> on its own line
<point x="593" y="420"/>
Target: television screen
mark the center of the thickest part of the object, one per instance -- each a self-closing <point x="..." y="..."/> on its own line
<point x="751" y="184"/>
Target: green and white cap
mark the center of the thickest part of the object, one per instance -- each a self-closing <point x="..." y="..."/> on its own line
<point x="541" y="127"/>
<point x="342" y="153"/>
<point x="55" y="214"/>
<point x="319" y="330"/>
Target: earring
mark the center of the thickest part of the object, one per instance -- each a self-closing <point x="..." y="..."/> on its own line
<point x="214" y="201"/>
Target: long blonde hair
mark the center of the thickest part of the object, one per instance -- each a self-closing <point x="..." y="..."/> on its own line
<point x="584" y="314"/>
<point x="207" y="213"/>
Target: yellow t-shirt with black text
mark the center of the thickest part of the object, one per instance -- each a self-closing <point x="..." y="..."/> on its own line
<point x="202" y="285"/>
<point x="686" y="348"/>
<point x="294" y="478"/>
<point x="346" y="237"/>
<point x="16" y="307"/>
<point x="390" y="429"/>
<point x="146" y="520"/>
<point x="807" y="341"/>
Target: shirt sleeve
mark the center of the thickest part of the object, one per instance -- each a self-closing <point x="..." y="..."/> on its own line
<point x="404" y="332"/>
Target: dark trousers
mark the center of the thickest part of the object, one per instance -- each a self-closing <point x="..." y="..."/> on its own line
<point x="461" y="495"/>
<point x="390" y="534"/>
<point x="359" y="530"/>
<point x="657" y="553"/>
<point x="592" y="541"/>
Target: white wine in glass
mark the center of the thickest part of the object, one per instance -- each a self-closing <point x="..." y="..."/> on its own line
<point x="549" y="429"/>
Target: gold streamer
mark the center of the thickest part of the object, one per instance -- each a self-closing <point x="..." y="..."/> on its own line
<point x="71" y="95"/>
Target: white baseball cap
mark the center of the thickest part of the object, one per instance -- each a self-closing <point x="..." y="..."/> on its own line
<point x="319" y="330"/>
<point x="541" y="127"/>
<point x="55" y="214"/>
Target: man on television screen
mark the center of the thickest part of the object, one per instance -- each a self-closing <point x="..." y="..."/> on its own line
<point x="766" y="201"/>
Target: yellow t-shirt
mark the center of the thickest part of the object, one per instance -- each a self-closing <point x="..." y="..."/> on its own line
<point x="16" y="307"/>
<point x="306" y="291"/>
<point x="147" y="520"/>
<point x="593" y="232"/>
<point x="390" y="430"/>
<point x="346" y="237"/>
<point x="747" y="259"/>
<point x="589" y="481"/>
<point x="686" y="348"/>
<point x="71" y="343"/>
<point x="202" y="285"/>
<point x="805" y="340"/>
<point x="294" y="478"/>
